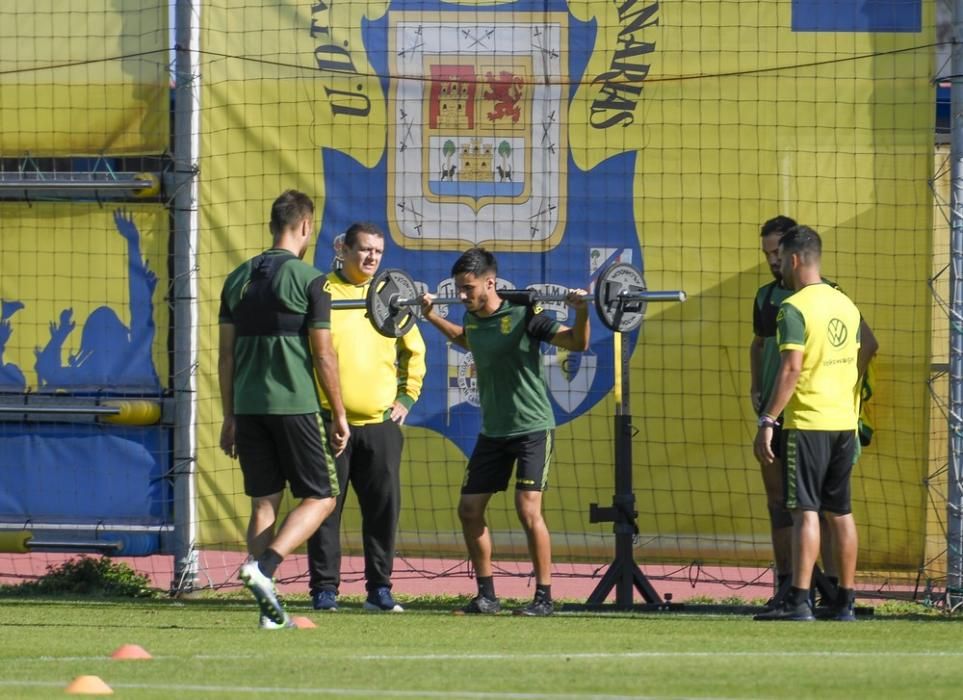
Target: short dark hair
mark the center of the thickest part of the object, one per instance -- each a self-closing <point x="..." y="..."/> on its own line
<point x="351" y="235"/>
<point x="802" y="241"/>
<point x="475" y="261"/>
<point x="777" y="224"/>
<point x="289" y="210"/>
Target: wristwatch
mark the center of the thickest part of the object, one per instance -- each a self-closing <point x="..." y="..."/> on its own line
<point x="767" y="420"/>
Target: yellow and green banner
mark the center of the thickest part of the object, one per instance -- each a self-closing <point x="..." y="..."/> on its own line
<point x="565" y="137"/>
<point x="84" y="319"/>
<point x="84" y="77"/>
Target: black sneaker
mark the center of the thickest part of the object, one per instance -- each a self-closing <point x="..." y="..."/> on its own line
<point x="539" y="607"/>
<point x="802" y="612"/>
<point x="845" y="613"/>
<point x="780" y="595"/>
<point x="825" y="608"/>
<point x="824" y="601"/>
<point x="480" y="605"/>
<point x="840" y="611"/>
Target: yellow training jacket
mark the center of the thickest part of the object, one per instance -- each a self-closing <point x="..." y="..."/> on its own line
<point x="375" y="371"/>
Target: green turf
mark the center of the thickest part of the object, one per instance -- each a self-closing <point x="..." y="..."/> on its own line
<point x="212" y="649"/>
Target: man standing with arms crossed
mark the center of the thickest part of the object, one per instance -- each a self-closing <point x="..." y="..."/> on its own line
<point x="274" y="340"/>
<point x="816" y="390"/>
<point x="517" y="421"/>
<point x="381" y="379"/>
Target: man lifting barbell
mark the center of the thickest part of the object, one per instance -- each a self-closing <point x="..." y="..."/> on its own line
<point x="517" y="418"/>
<point x="517" y="421"/>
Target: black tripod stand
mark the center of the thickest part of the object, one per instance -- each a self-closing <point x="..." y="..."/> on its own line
<point x="623" y="574"/>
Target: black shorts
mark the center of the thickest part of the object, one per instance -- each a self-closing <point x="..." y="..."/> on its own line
<point x="490" y="466"/>
<point x="817" y="465"/>
<point x="278" y="449"/>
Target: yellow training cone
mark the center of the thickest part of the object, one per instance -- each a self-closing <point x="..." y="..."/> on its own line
<point x="88" y="685"/>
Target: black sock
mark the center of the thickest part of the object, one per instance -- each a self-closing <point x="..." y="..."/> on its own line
<point x="543" y="591"/>
<point x="269" y="562"/>
<point x="845" y="596"/>
<point x="833" y="580"/>
<point x="798" y="596"/>
<point x="486" y="587"/>
<point x="781" y="580"/>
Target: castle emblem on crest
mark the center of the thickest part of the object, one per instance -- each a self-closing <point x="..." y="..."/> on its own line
<point x="477" y="148"/>
<point x="476" y="133"/>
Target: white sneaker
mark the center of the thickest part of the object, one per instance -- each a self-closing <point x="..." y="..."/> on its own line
<point x="264" y="592"/>
<point x="266" y="623"/>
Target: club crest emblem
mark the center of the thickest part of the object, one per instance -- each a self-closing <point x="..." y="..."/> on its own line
<point x="470" y="142"/>
<point x="480" y="101"/>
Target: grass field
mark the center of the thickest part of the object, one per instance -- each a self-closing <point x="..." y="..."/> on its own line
<point x="213" y="649"/>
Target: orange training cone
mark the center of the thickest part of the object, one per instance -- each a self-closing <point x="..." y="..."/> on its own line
<point x="88" y="685"/>
<point x="303" y="623"/>
<point x="130" y="651"/>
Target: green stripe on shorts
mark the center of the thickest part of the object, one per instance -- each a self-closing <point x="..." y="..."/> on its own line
<point x="549" y="447"/>
<point x="328" y="458"/>
<point x="790" y="469"/>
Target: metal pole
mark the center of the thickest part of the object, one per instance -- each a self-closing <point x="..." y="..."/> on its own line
<point x="184" y="291"/>
<point x="624" y="498"/>
<point x="33" y="185"/>
<point x="61" y="410"/>
<point x="954" y="498"/>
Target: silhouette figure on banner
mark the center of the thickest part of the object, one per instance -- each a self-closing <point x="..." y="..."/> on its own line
<point x="11" y="378"/>
<point x="111" y="355"/>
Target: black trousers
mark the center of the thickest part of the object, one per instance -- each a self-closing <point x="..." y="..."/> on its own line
<point x="370" y="463"/>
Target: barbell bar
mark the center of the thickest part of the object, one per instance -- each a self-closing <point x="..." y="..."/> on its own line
<point x="620" y="299"/>
<point x="534" y="297"/>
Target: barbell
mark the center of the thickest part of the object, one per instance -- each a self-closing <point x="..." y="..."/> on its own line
<point x="620" y="299"/>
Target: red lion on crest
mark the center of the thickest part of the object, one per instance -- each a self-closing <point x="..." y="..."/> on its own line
<point x="505" y="92"/>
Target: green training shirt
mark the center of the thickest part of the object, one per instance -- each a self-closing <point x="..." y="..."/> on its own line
<point x="272" y="300"/>
<point x="511" y="386"/>
<point x="764" y="311"/>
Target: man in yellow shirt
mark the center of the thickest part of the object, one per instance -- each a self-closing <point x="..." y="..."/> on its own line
<point x="816" y="390"/>
<point x="381" y="379"/>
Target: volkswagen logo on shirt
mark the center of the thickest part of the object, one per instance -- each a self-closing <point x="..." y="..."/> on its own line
<point x="837" y="333"/>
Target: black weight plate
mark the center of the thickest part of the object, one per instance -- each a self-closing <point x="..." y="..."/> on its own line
<point x="387" y="317"/>
<point x="619" y="314"/>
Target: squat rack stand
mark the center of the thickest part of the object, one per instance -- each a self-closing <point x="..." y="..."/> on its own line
<point x="623" y="573"/>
